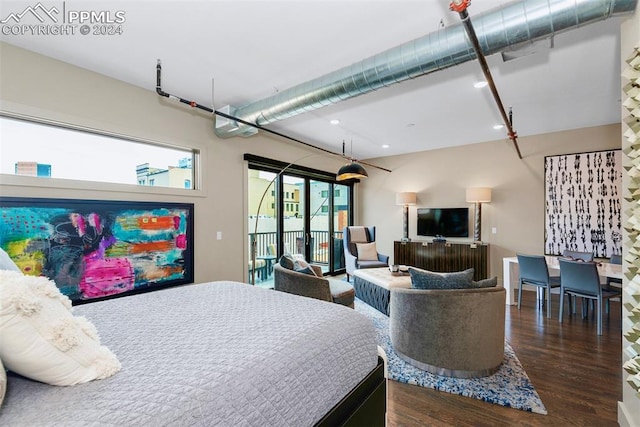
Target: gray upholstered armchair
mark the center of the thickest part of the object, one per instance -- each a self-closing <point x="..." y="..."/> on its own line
<point x="312" y="286"/>
<point x="452" y="332"/>
<point x="353" y="236"/>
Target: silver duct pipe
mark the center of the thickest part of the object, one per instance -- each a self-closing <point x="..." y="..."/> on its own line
<point x="513" y="24"/>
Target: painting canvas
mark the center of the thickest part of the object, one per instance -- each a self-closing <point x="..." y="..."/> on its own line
<point x="96" y="249"/>
<point x="583" y="195"/>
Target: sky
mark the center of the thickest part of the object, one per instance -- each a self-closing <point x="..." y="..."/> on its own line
<point x="79" y="155"/>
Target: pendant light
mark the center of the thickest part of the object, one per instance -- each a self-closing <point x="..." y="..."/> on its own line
<point x="352" y="170"/>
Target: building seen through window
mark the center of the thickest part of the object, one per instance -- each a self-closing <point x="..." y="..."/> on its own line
<point x="172" y="176"/>
<point x="36" y="149"/>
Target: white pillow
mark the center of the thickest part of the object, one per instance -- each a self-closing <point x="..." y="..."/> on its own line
<point x="367" y="251"/>
<point x="3" y="383"/>
<point x="42" y="340"/>
<point x="6" y="263"/>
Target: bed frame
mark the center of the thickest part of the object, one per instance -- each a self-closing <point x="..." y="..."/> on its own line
<point x="365" y="405"/>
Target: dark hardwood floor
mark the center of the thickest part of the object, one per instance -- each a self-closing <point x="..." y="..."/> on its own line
<point x="577" y="374"/>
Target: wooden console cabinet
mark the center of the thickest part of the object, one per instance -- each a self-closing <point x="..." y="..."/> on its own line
<point x="443" y="257"/>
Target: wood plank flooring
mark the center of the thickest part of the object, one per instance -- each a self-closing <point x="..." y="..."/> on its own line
<point x="577" y="374"/>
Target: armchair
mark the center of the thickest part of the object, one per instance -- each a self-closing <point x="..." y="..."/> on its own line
<point x="313" y="286"/>
<point x="352" y="236"/>
<point x="450" y="332"/>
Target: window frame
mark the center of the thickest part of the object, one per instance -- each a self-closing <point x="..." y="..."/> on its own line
<point x="197" y="189"/>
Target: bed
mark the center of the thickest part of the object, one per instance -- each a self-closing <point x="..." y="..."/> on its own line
<point x="219" y="353"/>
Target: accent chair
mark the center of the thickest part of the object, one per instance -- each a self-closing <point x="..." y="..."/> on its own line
<point x="360" y="250"/>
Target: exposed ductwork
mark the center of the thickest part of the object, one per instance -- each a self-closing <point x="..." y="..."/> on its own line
<point x="514" y="24"/>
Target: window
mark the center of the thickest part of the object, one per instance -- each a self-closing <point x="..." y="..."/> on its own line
<point x="48" y="151"/>
<point x="324" y="193"/>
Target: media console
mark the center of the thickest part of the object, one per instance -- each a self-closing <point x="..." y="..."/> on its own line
<point x="443" y="257"/>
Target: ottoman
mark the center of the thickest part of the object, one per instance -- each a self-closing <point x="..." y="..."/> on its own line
<point x="373" y="285"/>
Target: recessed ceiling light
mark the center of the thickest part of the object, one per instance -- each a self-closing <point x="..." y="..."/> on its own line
<point x="334" y="121"/>
<point x="496" y="127"/>
<point x="386" y="146"/>
<point x="480" y="85"/>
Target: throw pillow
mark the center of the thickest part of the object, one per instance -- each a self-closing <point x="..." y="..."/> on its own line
<point x="3" y="383"/>
<point x="302" y="266"/>
<point x="6" y="263"/>
<point x="306" y="270"/>
<point x="423" y="279"/>
<point x="42" y="340"/>
<point x="367" y="251"/>
<point x="286" y="261"/>
<point x="486" y="283"/>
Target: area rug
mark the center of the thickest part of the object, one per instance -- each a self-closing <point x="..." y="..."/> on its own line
<point x="509" y="387"/>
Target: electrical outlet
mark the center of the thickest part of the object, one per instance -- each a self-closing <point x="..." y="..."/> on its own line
<point x="219" y="235"/>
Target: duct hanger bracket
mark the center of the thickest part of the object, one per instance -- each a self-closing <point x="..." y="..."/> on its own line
<point x="459" y="5"/>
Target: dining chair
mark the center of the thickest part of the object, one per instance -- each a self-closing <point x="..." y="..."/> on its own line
<point x="614" y="259"/>
<point x="534" y="271"/>
<point x="578" y="256"/>
<point x="581" y="279"/>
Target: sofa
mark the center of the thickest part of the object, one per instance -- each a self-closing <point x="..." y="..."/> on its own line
<point x="312" y="285"/>
<point x="450" y="332"/>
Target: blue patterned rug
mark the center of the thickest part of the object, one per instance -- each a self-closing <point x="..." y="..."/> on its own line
<point x="509" y="387"/>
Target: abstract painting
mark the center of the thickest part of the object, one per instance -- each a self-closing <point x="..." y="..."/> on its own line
<point x="583" y="202"/>
<point x="96" y="249"/>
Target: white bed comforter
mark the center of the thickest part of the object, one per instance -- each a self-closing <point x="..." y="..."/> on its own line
<point x="214" y="354"/>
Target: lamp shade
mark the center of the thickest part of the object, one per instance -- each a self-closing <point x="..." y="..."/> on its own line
<point x="406" y="198"/>
<point x="478" y="195"/>
<point x="352" y="170"/>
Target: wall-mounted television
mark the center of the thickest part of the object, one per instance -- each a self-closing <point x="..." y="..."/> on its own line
<point x="447" y="222"/>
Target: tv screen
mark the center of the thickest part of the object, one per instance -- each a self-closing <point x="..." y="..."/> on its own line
<point x="447" y="222"/>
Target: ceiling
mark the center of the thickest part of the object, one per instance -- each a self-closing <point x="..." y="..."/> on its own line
<point x="221" y="53"/>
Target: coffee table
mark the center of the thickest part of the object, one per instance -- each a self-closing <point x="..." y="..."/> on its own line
<point x="373" y="286"/>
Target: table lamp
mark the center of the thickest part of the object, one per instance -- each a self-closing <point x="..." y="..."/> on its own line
<point x="478" y="195"/>
<point x="405" y="199"/>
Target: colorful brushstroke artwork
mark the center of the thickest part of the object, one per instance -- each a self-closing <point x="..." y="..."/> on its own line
<point x="96" y="249"/>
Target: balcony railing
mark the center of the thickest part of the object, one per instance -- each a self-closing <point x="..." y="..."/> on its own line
<point x="294" y="244"/>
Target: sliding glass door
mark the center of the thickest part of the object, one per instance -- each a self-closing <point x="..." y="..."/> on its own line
<point x="342" y="217"/>
<point x="319" y="235"/>
<point x="263" y="211"/>
<point x="293" y="236"/>
<point x="300" y="214"/>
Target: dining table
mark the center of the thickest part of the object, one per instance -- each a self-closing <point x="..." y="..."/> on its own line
<point x="511" y="273"/>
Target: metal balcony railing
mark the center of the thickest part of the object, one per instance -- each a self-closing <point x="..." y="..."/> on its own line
<point x="294" y="244"/>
